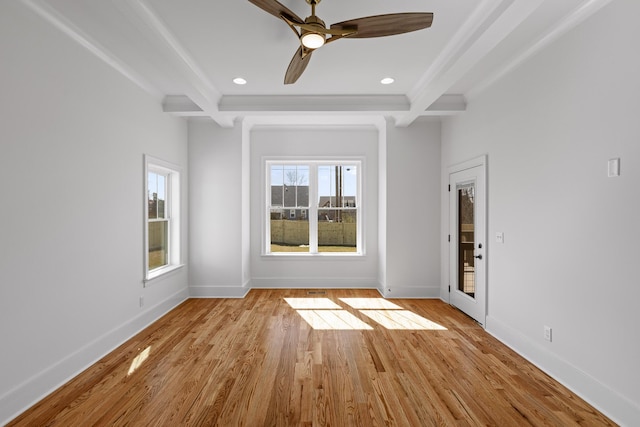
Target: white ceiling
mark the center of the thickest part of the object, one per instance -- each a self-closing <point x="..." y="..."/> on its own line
<point x="187" y="52"/>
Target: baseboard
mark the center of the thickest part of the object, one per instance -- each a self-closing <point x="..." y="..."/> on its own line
<point x="424" y="292"/>
<point x="617" y="407"/>
<point x="313" y="283"/>
<point x="25" y="395"/>
<point x="218" y="291"/>
<point x="428" y="292"/>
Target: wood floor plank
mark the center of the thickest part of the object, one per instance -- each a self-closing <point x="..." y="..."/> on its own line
<point x="257" y="362"/>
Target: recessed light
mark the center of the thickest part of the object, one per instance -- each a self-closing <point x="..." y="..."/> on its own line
<point x="387" y="81"/>
<point x="239" y="81"/>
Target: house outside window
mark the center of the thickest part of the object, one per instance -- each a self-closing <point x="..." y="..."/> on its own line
<point x="162" y="218"/>
<point x="313" y="207"/>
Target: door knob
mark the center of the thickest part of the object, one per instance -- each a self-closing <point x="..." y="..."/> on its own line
<point x="479" y="256"/>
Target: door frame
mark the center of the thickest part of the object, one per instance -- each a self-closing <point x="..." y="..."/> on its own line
<point x="481" y="237"/>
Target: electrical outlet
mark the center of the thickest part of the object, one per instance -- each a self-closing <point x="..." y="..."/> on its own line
<point x="547" y="333"/>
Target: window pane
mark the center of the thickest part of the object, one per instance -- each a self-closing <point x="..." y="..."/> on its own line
<point x="162" y="196"/>
<point x="277" y="174"/>
<point x="337" y="230"/>
<point x="158" y="244"/>
<point x="350" y="185"/>
<point x="157" y="195"/>
<point x="152" y="195"/>
<point x="466" y="233"/>
<point x="289" y="230"/>
<point x="337" y="186"/>
<point x="326" y="185"/>
<point x="290" y="185"/>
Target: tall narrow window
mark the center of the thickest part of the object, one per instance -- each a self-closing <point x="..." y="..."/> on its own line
<point x="313" y="207"/>
<point x="162" y="214"/>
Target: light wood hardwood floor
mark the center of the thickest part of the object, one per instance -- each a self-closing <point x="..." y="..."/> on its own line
<point x="257" y="362"/>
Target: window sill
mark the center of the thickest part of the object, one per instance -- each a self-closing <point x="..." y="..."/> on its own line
<point x="331" y="255"/>
<point x="161" y="272"/>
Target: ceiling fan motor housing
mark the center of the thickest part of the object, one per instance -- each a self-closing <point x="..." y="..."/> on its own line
<point x="316" y="22"/>
<point x="319" y="36"/>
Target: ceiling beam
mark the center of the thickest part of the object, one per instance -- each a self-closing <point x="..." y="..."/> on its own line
<point x="568" y="22"/>
<point x="56" y="19"/>
<point x="314" y="103"/>
<point x="447" y="105"/>
<point x="490" y="23"/>
<point x="200" y="89"/>
<point x="181" y="105"/>
<point x="240" y="106"/>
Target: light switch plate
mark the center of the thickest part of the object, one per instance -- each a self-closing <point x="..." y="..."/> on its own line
<point x="500" y="237"/>
<point x="614" y="167"/>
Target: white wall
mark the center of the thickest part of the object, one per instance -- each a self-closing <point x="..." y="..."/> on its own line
<point x="324" y="271"/>
<point x="413" y="209"/>
<point x="215" y="194"/>
<point x="72" y="137"/>
<point x="570" y="252"/>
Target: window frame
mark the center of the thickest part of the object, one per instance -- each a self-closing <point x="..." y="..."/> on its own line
<point x="172" y="213"/>
<point x="313" y="208"/>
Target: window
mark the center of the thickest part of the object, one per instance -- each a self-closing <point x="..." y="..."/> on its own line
<point x="322" y="199"/>
<point x="162" y="218"/>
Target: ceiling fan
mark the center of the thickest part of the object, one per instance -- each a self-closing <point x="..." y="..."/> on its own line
<point x="313" y="33"/>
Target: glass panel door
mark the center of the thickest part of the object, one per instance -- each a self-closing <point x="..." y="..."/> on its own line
<point x="467" y="256"/>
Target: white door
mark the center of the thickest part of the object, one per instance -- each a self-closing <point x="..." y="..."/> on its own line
<point x="468" y="242"/>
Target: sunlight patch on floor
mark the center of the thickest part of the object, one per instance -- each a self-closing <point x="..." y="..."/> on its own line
<point x="139" y="360"/>
<point x="312" y="303"/>
<point x="402" y="319"/>
<point x="333" y="319"/>
<point x="370" y="303"/>
<point x="323" y="313"/>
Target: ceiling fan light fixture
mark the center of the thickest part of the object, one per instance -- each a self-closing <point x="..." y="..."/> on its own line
<point x="313" y="33"/>
<point x="308" y="37"/>
<point x="312" y="40"/>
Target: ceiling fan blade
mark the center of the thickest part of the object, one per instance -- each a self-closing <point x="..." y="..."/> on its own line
<point x="297" y="66"/>
<point x="386" y="25"/>
<point x="275" y="8"/>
